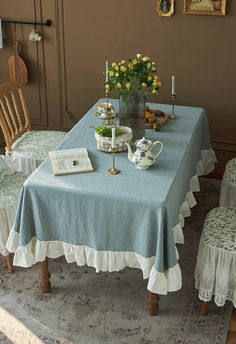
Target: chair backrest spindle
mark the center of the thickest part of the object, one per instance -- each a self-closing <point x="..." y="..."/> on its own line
<point x="5" y="131"/>
<point x="13" y="121"/>
<point x="7" y="117"/>
<point x="25" y="109"/>
<point x="17" y="110"/>
<point x="11" y="113"/>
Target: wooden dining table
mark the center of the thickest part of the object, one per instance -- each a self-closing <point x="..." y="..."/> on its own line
<point x="132" y="219"/>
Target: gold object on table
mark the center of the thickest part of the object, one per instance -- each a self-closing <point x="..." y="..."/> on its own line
<point x="113" y="170"/>
<point x="106" y="111"/>
<point x="173" y="103"/>
<point x="173" y="116"/>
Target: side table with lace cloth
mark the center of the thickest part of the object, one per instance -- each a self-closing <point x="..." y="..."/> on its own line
<point x="228" y="185"/>
<point x="10" y="186"/>
<point x="215" y="272"/>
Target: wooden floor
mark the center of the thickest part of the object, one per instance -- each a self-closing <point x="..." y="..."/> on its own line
<point x="232" y="329"/>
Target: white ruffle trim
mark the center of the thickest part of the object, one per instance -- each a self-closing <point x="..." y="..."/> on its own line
<point x="36" y="251"/>
<point x="227" y="194"/>
<point x="215" y="274"/>
<point x="207" y="162"/>
<point x="204" y="166"/>
<point x="7" y="216"/>
<point x="159" y="282"/>
<point x="25" y="165"/>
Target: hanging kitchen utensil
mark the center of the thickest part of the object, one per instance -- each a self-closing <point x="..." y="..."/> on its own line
<point x="17" y="69"/>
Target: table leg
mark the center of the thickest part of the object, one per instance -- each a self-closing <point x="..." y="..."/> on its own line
<point x="9" y="263"/>
<point x="204" y="308"/>
<point x="44" y="277"/>
<point x="153" y="306"/>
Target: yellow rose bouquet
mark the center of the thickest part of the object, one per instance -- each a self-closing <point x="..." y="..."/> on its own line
<point x="133" y="77"/>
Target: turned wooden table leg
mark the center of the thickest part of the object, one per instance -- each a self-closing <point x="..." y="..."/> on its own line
<point x="153" y="306"/>
<point x="44" y="277"/>
<point x="9" y="263"/>
<point x="204" y="308"/>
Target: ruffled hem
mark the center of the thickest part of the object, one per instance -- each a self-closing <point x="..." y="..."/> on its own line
<point x="25" y="165"/>
<point x="204" y="166"/>
<point x="215" y="274"/>
<point x="159" y="282"/>
<point x="227" y="194"/>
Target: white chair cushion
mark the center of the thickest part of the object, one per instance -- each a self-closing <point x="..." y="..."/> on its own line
<point x="10" y="188"/>
<point x="32" y="148"/>
<point x="228" y="185"/>
<point x="216" y="262"/>
<point x="220" y="228"/>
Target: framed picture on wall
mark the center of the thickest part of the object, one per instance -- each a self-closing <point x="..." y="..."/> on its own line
<point x="209" y="7"/>
<point x="165" y="8"/>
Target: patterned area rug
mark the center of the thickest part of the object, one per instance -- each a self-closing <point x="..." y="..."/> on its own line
<point x="89" y="308"/>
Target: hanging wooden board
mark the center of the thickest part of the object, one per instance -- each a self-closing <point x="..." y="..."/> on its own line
<point x="17" y="69"/>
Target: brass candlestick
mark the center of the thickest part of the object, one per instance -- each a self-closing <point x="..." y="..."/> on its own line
<point x="173" y="104"/>
<point x="108" y="120"/>
<point x="173" y="116"/>
<point x="113" y="170"/>
<point x="107" y="96"/>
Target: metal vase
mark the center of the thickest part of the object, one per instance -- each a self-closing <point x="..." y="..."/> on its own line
<point x="131" y="114"/>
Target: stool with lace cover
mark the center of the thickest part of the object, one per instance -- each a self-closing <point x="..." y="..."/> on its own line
<point x="215" y="272"/>
<point x="10" y="186"/>
<point x="228" y="185"/>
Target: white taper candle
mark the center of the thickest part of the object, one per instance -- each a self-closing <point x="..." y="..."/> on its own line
<point x="113" y="138"/>
<point x="106" y="71"/>
<point x="173" y="90"/>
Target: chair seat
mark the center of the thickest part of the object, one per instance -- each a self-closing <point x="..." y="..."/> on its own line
<point x="10" y="189"/>
<point x="220" y="229"/>
<point x="216" y="262"/>
<point x="32" y="148"/>
<point x="228" y="185"/>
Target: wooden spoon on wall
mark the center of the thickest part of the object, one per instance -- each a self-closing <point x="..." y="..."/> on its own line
<point x="17" y="69"/>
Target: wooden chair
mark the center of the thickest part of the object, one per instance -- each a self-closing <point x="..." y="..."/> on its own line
<point x="228" y="185"/>
<point x="26" y="147"/>
<point x="10" y="186"/>
<point x="215" y="272"/>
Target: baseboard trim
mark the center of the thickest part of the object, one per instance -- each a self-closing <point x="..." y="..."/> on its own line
<point x="224" y="146"/>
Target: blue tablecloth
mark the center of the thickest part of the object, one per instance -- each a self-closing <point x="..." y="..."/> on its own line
<point x="131" y="219"/>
